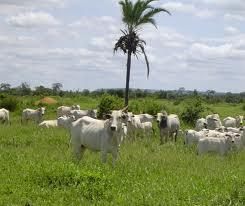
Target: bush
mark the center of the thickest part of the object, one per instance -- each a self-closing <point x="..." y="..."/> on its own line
<point x="9" y="103"/>
<point x="192" y="111"/>
<point x="243" y="107"/>
<point x="108" y="103"/>
<point x="146" y="106"/>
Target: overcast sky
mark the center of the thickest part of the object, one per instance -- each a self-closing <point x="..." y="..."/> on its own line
<point x="201" y="46"/>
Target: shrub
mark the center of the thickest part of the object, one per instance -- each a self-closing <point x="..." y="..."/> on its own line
<point x="149" y="106"/>
<point x="9" y="103"/>
<point x="243" y="107"/>
<point x="108" y="103"/>
<point x="192" y="111"/>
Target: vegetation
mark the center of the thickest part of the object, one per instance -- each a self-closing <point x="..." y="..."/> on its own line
<point x="108" y="103"/>
<point x="37" y="166"/>
<point x="134" y="16"/>
<point x="193" y="110"/>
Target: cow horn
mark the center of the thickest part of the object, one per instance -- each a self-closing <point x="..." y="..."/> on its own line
<point x="125" y="109"/>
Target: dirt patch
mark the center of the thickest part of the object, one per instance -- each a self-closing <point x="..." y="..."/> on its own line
<point x="46" y="100"/>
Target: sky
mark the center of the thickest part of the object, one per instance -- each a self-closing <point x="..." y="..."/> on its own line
<point x="200" y="46"/>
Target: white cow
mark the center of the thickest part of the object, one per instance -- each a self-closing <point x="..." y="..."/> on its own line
<point x="214" y="144"/>
<point x="145" y="117"/>
<point x="98" y="135"/>
<point x="81" y="113"/>
<point x="168" y="125"/>
<point x="234" y="130"/>
<point x="65" y="110"/>
<point x="49" y="123"/>
<point x="135" y="125"/>
<point x="213" y="121"/>
<point x="31" y="114"/>
<point x="192" y="137"/>
<point x="233" y="122"/>
<point x="4" y="116"/>
<point x="65" y="121"/>
<point x="201" y="124"/>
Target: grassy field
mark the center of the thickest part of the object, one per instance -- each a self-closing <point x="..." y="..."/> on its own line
<point x="37" y="168"/>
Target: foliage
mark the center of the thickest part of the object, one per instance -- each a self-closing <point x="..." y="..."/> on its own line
<point x="149" y="106"/>
<point x="108" y="103"/>
<point x="243" y="107"/>
<point x="193" y="109"/>
<point x="24" y="89"/>
<point x="9" y="103"/>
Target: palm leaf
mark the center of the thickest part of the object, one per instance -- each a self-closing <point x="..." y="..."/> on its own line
<point x="146" y="59"/>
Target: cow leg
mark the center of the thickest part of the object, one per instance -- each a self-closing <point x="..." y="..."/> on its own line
<point x="166" y="137"/>
<point x="77" y="149"/>
<point x="176" y="135"/>
<point x="103" y="156"/>
<point x="114" y="156"/>
<point x="161" y="137"/>
<point x="82" y="151"/>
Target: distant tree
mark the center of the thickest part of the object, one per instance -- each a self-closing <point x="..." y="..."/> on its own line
<point x="41" y="90"/>
<point x="134" y="16"/>
<point x="211" y="93"/>
<point x="181" y="90"/>
<point x="85" y="92"/>
<point x="195" y="92"/>
<point x="5" y="87"/>
<point x="24" y="89"/>
<point x="56" y="88"/>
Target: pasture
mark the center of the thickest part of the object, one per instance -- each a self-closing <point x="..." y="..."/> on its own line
<point x="38" y="168"/>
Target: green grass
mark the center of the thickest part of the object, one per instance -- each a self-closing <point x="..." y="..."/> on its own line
<point x="37" y="168"/>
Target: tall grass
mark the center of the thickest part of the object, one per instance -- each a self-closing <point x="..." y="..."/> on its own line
<point x="37" y="168"/>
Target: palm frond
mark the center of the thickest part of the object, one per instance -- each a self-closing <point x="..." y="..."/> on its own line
<point x="146" y="59"/>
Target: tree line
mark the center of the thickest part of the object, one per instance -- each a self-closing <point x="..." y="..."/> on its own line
<point x="56" y="89"/>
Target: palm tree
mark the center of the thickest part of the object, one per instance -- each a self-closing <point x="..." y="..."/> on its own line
<point x="134" y="16"/>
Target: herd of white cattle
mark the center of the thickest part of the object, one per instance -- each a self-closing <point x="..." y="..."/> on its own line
<point x="211" y="136"/>
<point x="88" y="132"/>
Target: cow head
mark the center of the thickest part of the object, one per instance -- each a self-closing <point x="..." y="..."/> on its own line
<point x="130" y="116"/>
<point x="41" y="110"/>
<point x="239" y="120"/>
<point x="115" y="119"/>
<point x="65" y="121"/>
<point x="75" y="107"/>
<point x="229" y="138"/>
<point x="162" y="116"/>
<point x="93" y="113"/>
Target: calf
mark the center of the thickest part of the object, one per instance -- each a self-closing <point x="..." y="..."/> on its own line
<point x="31" y="114"/>
<point x="49" y="123"/>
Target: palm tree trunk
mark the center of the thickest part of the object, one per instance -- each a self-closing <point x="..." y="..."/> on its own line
<point x="127" y="79"/>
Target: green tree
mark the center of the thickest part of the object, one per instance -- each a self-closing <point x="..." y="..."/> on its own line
<point x="5" y="87"/>
<point x="57" y="88"/>
<point x="134" y="16"/>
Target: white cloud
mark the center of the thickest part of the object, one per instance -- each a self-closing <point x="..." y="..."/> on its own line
<point x="188" y="8"/>
<point x="231" y="5"/>
<point x="234" y="17"/>
<point x="32" y="19"/>
<point x="231" y="30"/>
<point x="33" y="3"/>
<point x="97" y="23"/>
